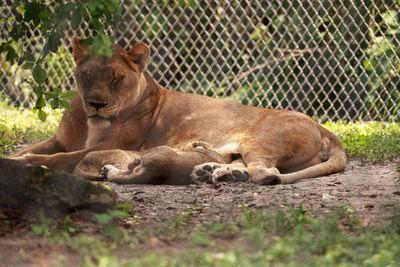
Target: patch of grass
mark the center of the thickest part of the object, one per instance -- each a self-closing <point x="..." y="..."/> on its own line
<point x="370" y="142"/>
<point x="110" y="228"/>
<point x="22" y="126"/>
<point x="289" y="236"/>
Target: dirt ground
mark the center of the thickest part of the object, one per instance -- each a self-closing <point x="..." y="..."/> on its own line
<point x="369" y="189"/>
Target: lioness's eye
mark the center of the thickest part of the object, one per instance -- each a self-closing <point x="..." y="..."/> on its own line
<point x="86" y="79"/>
<point x="116" y="80"/>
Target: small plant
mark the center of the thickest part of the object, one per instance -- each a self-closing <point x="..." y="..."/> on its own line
<point x="68" y="226"/>
<point x="44" y="228"/>
<point x="110" y="228"/>
<point x="222" y="229"/>
<point x="200" y="238"/>
<point x="127" y="207"/>
<point x="397" y="180"/>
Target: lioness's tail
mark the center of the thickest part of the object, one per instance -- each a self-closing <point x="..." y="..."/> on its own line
<point x="336" y="163"/>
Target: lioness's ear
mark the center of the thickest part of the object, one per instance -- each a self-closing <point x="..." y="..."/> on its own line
<point x="139" y="54"/>
<point x="79" y="50"/>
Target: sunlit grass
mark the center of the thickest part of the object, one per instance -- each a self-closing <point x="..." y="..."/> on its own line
<point x="22" y="127"/>
<point x="370" y="142"/>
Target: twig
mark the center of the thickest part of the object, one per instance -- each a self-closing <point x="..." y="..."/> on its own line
<point x="288" y="54"/>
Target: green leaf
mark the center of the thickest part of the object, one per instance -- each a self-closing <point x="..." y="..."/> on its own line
<point x="118" y="214"/>
<point x="50" y="94"/>
<point x="96" y="25"/>
<point x="53" y="42"/>
<point x="28" y="65"/>
<point x="192" y="3"/>
<point x="57" y="90"/>
<point x="66" y="8"/>
<point x="40" y="102"/>
<point x="45" y="26"/>
<point x="112" y="231"/>
<point x="32" y="13"/>
<point x="68" y="95"/>
<point x="103" y="218"/>
<point x="37" y="90"/>
<point x="29" y="56"/>
<point x="45" y="15"/>
<point x="42" y="115"/>
<point x="102" y="45"/>
<point x="76" y="19"/>
<point x="37" y="229"/>
<point x="55" y="103"/>
<point x="39" y="74"/>
<point x="65" y="104"/>
<point x="11" y="55"/>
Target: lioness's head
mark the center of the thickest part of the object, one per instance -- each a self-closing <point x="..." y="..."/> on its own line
<point x="108" y="86"/>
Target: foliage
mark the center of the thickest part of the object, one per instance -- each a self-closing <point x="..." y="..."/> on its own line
<point x="43" y="229"/>
<point x="110" y="229"/>
<point x="370" y="142"/>
<point x="348" y="64"/>
<point x="19" y="127"/>
<point x="50" y="20"/>
<point x="340" y="49"/>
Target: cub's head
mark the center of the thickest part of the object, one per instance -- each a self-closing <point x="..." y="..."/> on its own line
<point x="108" y="86"/>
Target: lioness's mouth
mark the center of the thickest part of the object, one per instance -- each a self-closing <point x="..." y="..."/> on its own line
<point x="97" y="117"/>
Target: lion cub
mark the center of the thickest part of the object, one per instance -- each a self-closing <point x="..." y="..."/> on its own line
<point x="165" y="165"/>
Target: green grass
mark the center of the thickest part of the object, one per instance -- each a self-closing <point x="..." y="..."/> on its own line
<point x="290" y="236"/>
<point x="21" y="127"/>
<point x="370" y="142"/>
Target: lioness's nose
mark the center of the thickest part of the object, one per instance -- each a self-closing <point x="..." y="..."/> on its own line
<point x="98" y="105"/>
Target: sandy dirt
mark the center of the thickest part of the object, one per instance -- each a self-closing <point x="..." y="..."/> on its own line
<point x="369" y="189"/>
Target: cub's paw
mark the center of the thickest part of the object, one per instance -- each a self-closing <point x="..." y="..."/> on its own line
<point x="203" y="173"/>
<point x="109" y="171"/>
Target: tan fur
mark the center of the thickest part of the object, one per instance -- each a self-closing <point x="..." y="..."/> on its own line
<point x="121" y="107"/>
<point x="159" y="165"/>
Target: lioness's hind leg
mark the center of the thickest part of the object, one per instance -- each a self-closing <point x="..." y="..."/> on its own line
<point x="264" y="176"/>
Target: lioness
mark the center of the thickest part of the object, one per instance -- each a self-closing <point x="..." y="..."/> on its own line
<point x="121" y="107"/>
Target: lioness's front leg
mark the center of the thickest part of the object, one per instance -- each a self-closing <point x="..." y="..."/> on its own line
<point x="48" y="146"/>
<point x="64" y="161"/>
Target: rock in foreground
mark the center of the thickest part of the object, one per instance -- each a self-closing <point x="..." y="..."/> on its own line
<point x="26" y="189"/>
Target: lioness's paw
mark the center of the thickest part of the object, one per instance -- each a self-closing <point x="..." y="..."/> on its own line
<point x="230" y="174"/>
<point x="203" y="173"/>
<point x="271" y="179"/>
<point x="215" y="173"/>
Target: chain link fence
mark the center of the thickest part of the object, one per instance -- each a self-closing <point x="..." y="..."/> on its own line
<point x="332" y="59"/>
